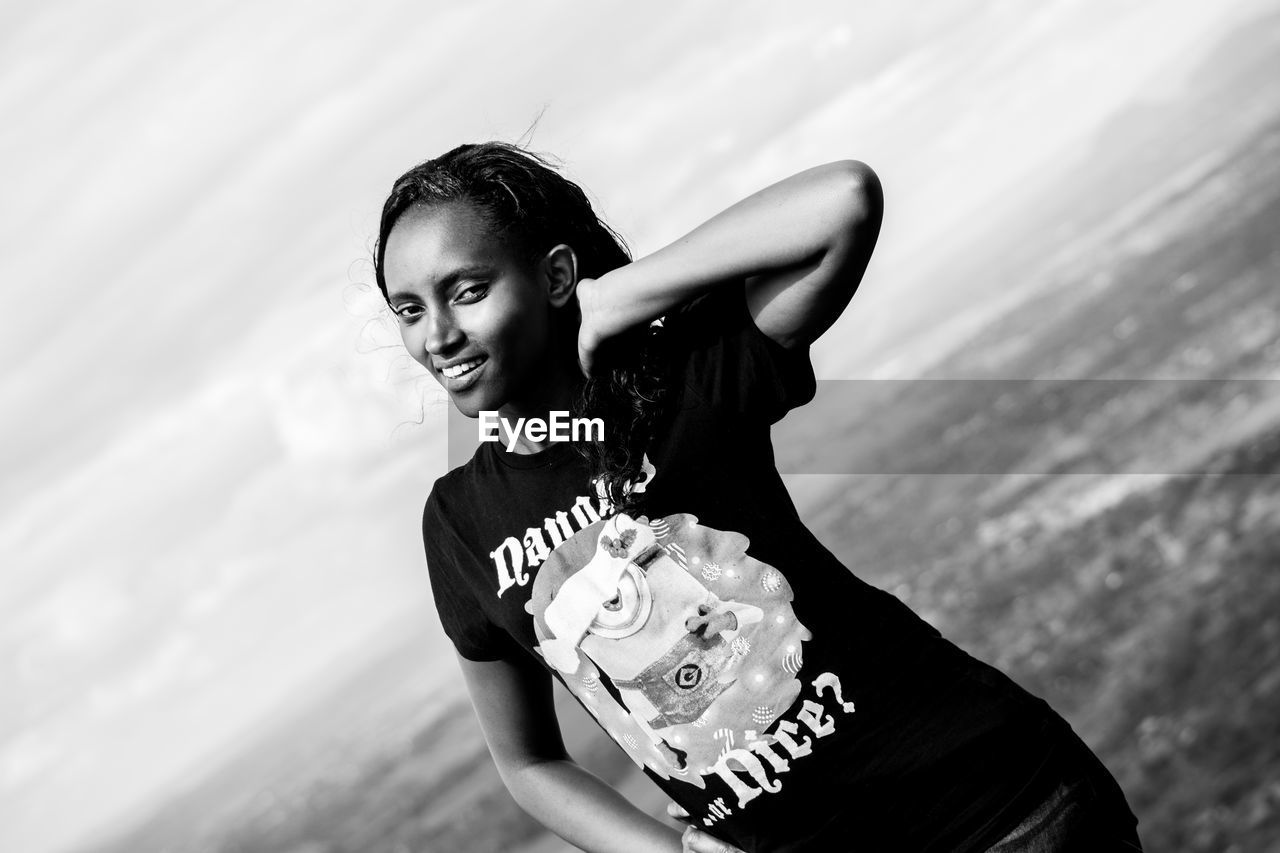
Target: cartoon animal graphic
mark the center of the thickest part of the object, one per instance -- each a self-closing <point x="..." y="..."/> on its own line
<point x="698" y="639"/>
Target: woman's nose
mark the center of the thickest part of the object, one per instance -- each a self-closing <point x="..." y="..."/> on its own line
<point x="443" y="335"/>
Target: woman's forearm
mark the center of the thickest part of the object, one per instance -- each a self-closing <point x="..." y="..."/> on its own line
<point x="586" y="811"/>
<point x="793" y="223"/>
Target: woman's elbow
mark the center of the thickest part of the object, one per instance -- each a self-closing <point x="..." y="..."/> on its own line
<point x="860" y="204"/>
<point x="521" y="776"/>
<point x="518" y="780"/>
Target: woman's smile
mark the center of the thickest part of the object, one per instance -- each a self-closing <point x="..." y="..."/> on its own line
<point x="462" y="374"/>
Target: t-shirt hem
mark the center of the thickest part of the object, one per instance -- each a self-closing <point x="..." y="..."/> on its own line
<point x="1039" y="785"/>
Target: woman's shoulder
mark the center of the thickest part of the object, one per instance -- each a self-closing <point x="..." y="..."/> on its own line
<point x="457" y="488"/>
<point x="733" y="365"/>
<point x="449" y="512"/>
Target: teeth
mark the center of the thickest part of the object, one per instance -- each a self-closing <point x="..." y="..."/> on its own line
<point x="459" y="369"/>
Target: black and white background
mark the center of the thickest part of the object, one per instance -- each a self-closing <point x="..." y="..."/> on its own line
<point x="215" y="628"/>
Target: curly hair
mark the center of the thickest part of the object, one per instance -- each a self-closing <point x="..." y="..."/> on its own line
<point x="523" y="199"/>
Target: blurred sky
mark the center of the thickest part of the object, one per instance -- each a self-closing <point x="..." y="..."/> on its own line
<point x="213" y="469"/>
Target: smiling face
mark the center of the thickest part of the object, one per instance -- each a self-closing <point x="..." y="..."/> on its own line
<point x="474" y="312"/>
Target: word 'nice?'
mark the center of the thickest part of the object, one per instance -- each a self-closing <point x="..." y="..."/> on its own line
<point x="560" y="427"/>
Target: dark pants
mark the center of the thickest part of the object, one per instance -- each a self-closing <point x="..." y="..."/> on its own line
<point x="1087" y="812"/>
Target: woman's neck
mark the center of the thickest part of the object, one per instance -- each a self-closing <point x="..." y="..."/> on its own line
<point x="520" y="415"/>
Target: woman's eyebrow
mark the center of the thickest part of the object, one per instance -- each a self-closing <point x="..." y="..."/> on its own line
<point x="447" y="281"/>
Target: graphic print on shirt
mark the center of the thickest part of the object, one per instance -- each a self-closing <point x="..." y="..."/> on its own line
<point x="698" y="639"/>
<point x="515" y="557"/>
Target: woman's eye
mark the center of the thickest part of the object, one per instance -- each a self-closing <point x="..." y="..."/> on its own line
<point x="409" y="312"/>
<point x="471" y="293"/>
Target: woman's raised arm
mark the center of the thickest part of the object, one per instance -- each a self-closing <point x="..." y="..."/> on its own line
<point x="802" y="245"/>
<point x="518" y="718"/>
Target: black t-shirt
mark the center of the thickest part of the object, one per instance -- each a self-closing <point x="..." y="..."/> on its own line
<point x="785" y="703"/>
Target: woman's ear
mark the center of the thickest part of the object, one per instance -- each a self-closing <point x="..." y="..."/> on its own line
<point x="560" y="265"/>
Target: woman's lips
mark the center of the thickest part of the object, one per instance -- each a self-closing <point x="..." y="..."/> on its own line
<point x="463" y="375"/>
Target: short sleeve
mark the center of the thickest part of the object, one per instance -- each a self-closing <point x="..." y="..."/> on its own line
<point x="736" y="367"/>
<point x="464" y="621"/>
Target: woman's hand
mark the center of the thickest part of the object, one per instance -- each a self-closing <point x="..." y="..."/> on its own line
<point x="696" y="841"/>
<point x="587" y="292"/>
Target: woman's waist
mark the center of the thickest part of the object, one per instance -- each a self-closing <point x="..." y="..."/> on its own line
<point x="925" y="797"/>
<point x="890" y="772"/>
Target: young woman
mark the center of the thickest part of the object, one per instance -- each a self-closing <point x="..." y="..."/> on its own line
<point x="662" y="574"/>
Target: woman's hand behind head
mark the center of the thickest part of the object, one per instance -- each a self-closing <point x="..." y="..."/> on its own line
<point x="588" y="338"/>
